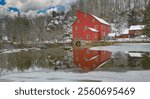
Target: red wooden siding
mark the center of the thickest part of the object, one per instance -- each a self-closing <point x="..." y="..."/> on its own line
<point x="133" y="33"/>
<point x="84" y="20"/>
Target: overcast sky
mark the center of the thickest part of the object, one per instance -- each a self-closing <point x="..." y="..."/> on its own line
<point x="26" y="5"/>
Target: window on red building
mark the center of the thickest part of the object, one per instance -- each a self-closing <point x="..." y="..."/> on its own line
<point x="96" y="26"/>
<point x="76" y="34"/>
<point x="94" y="66"/>
<point x="85" y="28"/>
<point x="104" y="52"/>
<point x="76" y="28"/>
<point x="85" y="59"/>
<point x="93" y="20"/>
<point x="96" y="59"/>
<point x="78" y="21"/>
<point x="88" y="51"/>
<point x="85" y="15"/>
<point x="95" y="36"/>
<point x="88" y="36"/>
<point x="77" y="59"/>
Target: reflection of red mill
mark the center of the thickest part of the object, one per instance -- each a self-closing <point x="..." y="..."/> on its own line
<point x="89" y="60"/>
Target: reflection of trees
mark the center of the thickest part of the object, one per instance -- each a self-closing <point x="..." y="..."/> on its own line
<point x="51" y="58"/>
<point x="123" y="62"/>
<point x="146" y="61"/>
<point x="119" y="59"/>
<point x="23" y="61"/>
<point x="3" y="64"/>
<point x="134" y="62"/>
<point x="68" y="59"/>
<point x="41" y="59"/>
<point x="60" y="59"/>
<point x="140" y="62"/>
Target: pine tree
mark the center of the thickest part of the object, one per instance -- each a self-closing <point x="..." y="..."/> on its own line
<point x="133" y="18"/>
<point x="146" y="20"/>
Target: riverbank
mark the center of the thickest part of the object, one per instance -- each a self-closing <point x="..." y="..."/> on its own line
<point x="88" y="44"/>
<point x="8" y="45"/>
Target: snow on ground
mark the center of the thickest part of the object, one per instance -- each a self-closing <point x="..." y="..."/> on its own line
<point x="7" y="51"/>
<point x="52" y="76"/>
<point x="126" y="47"/>
<point x="111" y="34"/>
<point x="130" y="39"/>
<point x="126" y="31"/>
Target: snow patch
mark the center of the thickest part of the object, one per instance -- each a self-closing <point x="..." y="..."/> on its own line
<point x="112" y="34"/>
<point x="8" y="51"/>
<point x="126" y="31"/>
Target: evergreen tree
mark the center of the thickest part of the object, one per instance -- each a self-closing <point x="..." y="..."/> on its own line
<point x="133" y="18"/>
<point x="146" y="20"/>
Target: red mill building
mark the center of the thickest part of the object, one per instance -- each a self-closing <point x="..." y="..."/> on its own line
<point x="88" y="27"/>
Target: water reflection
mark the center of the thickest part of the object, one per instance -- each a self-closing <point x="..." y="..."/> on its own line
<point x="131" y="61"/>
<point x="89" y="60"/>
<point x="50" y="59"/>
<point x="73" y="60"/>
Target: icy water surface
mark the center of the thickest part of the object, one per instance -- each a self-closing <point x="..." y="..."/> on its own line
<point x="121" y="62"/>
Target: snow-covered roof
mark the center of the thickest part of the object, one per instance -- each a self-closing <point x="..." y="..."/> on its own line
<point x="137" y="27"/>
<point x="126" y="31"/>
<point x="111" y="34"/>
<point x="100" y="20"/>
<point x="93" y="30"/>
<point x="135" y="54"/>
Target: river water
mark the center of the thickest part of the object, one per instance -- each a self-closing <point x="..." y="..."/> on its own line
<point x="120" y="62"/>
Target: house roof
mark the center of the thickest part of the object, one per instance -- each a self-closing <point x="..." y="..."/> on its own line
<point x="93" y="30"/>
<point x="100" y="20"/>
<point x="137" y="27"/>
